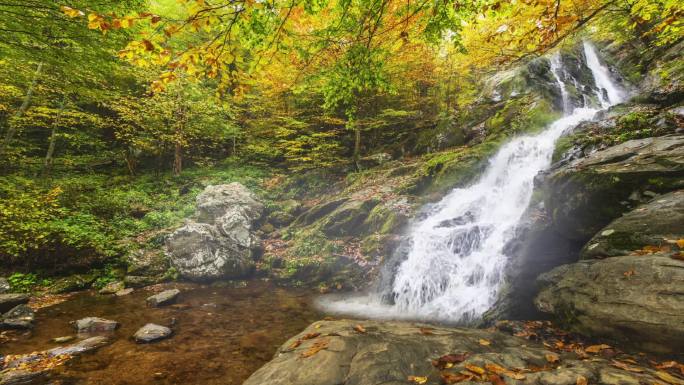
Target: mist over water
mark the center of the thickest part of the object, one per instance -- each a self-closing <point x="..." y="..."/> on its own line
<point x="455" y="262"/>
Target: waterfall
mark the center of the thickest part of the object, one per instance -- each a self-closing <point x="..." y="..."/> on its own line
<point x="455" y="263"/>
<point x="602" y="79"/>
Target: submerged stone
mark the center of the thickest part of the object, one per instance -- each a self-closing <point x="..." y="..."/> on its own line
<point x="151" y="332"/>
<point x="20" y="317"/>
<point x="95" y="324"/>
<point x="166" y="297"/>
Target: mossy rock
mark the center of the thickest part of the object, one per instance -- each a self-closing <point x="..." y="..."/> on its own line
<point x="348" y="219"/>
<point x="72" y="283"/>
<point x="319" y="211"/>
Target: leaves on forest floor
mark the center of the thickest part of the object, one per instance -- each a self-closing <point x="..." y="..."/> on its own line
<point x="359" y="329"/>
<point x="417" y="379"/>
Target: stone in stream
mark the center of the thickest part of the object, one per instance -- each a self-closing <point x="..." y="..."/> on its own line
<point x="95" y="324"/>
<point x="4" y="285"/>
<point x="123" y="292"/>
<point x="112" y="288"/>
<point x="20" y="317"/>
<point x="8" y="301"/>
<point x="61" y="340"/>
<point x="80" y="347"/>
<point x="151" y="332"/>
<point x="166" y="297"/>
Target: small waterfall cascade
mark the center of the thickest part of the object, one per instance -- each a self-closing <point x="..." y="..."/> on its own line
<point x="455" y="263"/>
<point x="613" y="93"/>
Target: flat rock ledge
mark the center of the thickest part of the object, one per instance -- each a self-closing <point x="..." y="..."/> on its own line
<point x="346" y="352"/>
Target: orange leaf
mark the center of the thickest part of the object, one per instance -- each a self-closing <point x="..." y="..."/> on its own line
<point x="495" y="379"/>
<point x="359" y="329"/>
<point x="552" y="358"/>
<point x="596" y="348"/>
<point x="475" y="369"/>
<point x="581" y="380"/>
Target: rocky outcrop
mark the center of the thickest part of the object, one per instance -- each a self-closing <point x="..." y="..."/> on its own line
<point x="637" y="299"/>
<point x="585" y="195"/>
<point x="220" y="244"/>
<point x="657" y="224"/>
<point x="375" y="353"/>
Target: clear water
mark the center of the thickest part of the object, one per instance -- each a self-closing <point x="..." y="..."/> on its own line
<point x="456" y="262"/>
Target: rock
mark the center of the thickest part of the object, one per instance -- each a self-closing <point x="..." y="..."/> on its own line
<point x="147" y="262"/>
<point x="86" y="345"/>
<point x="655" y="224"/>
<point x="635" y="299"/>
<point x="10" y="300"/>
<point x="280" y="218"/>
<point x="95" y="324"/>
<point x="222" y="242"/>
<point x="166" y="297"/>
<point x="23" y="377"/>
<point x="20" y="317"/>
<point x="70" y="284"/>
<point x="319" y="211"/>
<point x="375" y="160"/>
<point x="137" y="281"/>
<point x="112" y="287"/>
<point x="332" y="352"/>
<point x="151" y="332"/>
<point x="123" y="292"/>
<point x="61" y="340"/>
<point x="4" y="285"/>
<point x="585" y="195"/>
<point x="218" y="200"/>
<point x="348" y="218"/>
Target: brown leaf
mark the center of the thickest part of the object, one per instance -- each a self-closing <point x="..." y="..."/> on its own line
<point x="315" y="348"/>
<point x="624" y="366"/>
<point x="667" y="377"/>
<point x="581" y="380"/>
<point x="359" y="329"/>
<point x="596" y="348"/>
<point x="426" y="331"/>
<point x="310" y="336"/>
<point x="417" y="380"/>
<point x="475" y="369"/>
<point x="552" y="358"/>
<point x="295" y="344"/>
<point x="450" y="378"/>
<point x="495" y="379"/>
<point x="494" y="368"/>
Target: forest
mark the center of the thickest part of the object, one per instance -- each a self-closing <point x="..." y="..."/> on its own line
<point x="223" y="173"/>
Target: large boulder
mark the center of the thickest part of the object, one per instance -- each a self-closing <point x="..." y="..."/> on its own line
<point x="221" y="243"/>
<point x="585" y="195"/>
<point x="10" y="300"/>
<point x="636" y="299"/>
<point x="659" y="224"/>
<point x="20" y="317"/>
<point x="395" y="353"/>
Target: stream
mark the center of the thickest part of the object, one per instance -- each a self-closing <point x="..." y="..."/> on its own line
<point x="221" y="334"/>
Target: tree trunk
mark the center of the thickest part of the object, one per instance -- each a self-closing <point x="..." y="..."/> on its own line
<point x="49" y="156"/>
<point x="178" y="159"/>
<point x="22" y="109"/>
<point x="357" y="146"/>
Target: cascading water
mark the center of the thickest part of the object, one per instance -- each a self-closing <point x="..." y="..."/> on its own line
<point x="454" y="267"/>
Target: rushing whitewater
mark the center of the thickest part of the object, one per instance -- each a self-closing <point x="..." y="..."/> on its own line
<point x="455" y="265"/>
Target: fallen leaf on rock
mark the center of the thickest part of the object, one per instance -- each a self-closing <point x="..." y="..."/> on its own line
<point x="667" y="377"/>
<point x="310" y="336"/>
<point x="475" y="369"/>
<point x="495" y="379"/>
<point x="426" y="331"/>
<point x="315" y="348"/>
<point x="484" y="342"/>
<point x="359" y="329"/>
<point x="449" y="360"/>
<point x="451" y="378"/>
<point x="680" y="243"/>
<point x="596" y="348"/>
<point x="678" y="256"/>
<point x="629" y="273"/>
<point x="295" y="344"/>
<point x="552" y="358"/>
<point x="417" y="380"/>
<point x="624" y="366"/>
<point x="581" y="380"/>
<point x="494" y="368"/>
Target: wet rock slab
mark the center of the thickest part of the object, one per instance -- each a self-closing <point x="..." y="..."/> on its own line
<point x="95" y="324"/>
<point x="164" y="298"/>
<point x="20" y="317"/>
<point x="151" y="332"/>
<point x="339" y="352"/>
<point x="8" y="301"/>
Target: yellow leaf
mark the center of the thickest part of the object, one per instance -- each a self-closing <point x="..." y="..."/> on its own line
<point x="71" y="12"/>
<point x="552" y="358"/>
<point x="667" y="377"/>
<point x="475" y="369"/>
<point x="596" y="348"/>
<point x="680" y="243"/>
<point x="484" y="342"/>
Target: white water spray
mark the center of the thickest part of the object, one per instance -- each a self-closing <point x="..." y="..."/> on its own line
<point x="456" y="263"/>
<point x="602" y="78"/>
